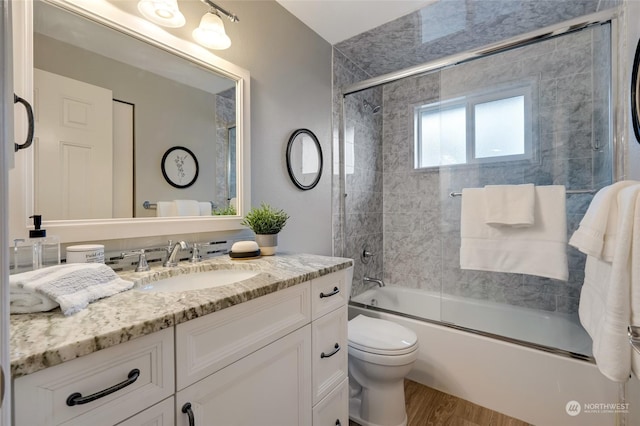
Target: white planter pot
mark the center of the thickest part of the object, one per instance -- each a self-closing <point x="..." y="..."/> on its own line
<point x="267" y="243"/>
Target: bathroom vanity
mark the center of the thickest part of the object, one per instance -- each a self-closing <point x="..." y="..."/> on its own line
<point x="269" y="350"/>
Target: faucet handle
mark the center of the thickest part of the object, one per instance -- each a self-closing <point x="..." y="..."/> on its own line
<point x="195" y="254"/>
<point x="142" y="266"/>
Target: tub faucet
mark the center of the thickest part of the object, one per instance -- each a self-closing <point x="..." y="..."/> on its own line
<point x="373" y="280"/>
<point x="172" y="252"/>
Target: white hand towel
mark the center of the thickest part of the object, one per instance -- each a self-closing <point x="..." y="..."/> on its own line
<point x="166" y="209"/>
<point x="539" y="249"/>
<point x="605" y="308"/>
<point x="23" y="301"/>
<point x="187" y="208"/>
<point x="73" y="286"/>
<point x="205" y="208"/>
<point x="510" y="205"/>
<point x="596" y="235"/>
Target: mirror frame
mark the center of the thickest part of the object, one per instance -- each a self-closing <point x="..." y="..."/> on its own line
<point x="21" y="194"/>
<point x="292" y="174"/>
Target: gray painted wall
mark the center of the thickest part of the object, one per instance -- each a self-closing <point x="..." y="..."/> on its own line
<point x="290" y="69"/>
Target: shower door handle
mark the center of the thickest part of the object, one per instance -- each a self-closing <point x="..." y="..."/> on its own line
<point x="29" y="140"/>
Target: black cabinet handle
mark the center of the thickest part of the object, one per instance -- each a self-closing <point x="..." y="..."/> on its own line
<point x="186" y="408"/>
<point x="29" y="141"/>
<point x="338" y="422"/>
<point x="332" y="353"/>
<point x="335" y="291"/>
<point x="76" y="398"/>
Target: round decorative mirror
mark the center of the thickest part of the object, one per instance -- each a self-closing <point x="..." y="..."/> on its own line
<point x="304" y="159"/>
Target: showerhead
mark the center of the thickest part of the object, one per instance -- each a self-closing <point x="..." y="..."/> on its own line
<point x="373" y="108"/>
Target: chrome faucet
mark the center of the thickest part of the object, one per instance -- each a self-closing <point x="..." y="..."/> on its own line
<point x="173" y="251"/>
<point x="377" y="281"/>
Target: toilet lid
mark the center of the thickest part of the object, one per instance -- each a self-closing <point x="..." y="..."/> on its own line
<point x="380" y="336"/>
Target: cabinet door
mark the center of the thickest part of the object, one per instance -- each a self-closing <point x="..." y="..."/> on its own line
<point x="270" y="387"/>
<point x="333" y="410"/>
<point x="329" y="352"/>
<point x="161" y="414"/>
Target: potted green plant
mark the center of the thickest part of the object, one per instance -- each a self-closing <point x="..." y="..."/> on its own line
<point x="266" y="222"/>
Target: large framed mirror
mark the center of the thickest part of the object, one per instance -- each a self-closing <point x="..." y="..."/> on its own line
<point x="111" y="96"/>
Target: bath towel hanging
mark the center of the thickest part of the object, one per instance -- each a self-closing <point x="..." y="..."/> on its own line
<point x="539" y="249"/>
<point x="509" y="205"/>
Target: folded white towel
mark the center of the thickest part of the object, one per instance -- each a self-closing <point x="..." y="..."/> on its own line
<point x="23" y="301"/>
<point x="596" y="235"/>
<point x="73" y="286"/>
<point x="205" y="208"/>
<point x="510" y="205"/>
<point x="605" y="309"/>
<point x="539" y="249"/>
<point x="166" y="209"/>
<point x="187" y="208"/>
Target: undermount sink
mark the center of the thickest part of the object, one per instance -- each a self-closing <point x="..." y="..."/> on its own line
<point x="199" y="280"/>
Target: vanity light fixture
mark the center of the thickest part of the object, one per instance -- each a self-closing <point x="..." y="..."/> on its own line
<point x="162" y="12"/>
<point x="211" y="31"/>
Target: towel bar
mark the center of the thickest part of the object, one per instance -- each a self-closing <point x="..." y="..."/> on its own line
<point x="568" y="191"/>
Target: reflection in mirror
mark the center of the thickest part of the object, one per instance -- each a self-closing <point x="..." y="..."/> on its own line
<point x="304" y="159"/>
<point x="108" y="107"/>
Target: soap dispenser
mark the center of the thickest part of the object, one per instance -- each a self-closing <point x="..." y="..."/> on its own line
<point x="46" y="250"/>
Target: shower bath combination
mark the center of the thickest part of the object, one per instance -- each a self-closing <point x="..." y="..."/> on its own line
<point x="401" y="206"/>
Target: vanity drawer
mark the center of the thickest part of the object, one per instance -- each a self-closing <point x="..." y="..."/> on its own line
<point x="329" y="292"/>
<point x="210" y="343"/>
<point x="333" y="410"/>
<point x="329" y="352"/>
<point x="41" y="398"/>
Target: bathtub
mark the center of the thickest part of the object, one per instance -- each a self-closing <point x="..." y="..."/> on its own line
<point x="529" y="381"/>
<point x="550" y="331"/>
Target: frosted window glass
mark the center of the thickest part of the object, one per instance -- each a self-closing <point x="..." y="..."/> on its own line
<point x="499" y="128"/>
<point x="443" y="148"/>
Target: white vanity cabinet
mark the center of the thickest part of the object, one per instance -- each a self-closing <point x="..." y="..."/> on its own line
<point x="101" y="389"/>
<point x="278" y="359"/>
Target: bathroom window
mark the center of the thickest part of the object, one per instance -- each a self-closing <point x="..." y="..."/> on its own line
<point x="486" y="127"/>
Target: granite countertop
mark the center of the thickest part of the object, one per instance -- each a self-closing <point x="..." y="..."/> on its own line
<point x="45" y="339"/>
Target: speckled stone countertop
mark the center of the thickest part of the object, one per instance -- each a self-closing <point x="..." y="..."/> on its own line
<point x="45" y="339"/>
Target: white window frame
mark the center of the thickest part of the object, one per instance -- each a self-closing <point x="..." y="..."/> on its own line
<point x="469" y="102"/>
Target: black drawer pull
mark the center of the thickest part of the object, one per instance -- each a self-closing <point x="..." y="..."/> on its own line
<point x="186" y="408"/>
<point x="332" y="353"/>
<point x="335" y="291"/>
<point x="338" y="422"/>
<point x="76" y="398"/>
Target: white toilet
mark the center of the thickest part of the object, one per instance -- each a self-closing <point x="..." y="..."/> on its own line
<point x="381" y="354"/>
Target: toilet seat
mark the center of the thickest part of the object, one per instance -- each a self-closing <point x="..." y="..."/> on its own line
<point x="380" y="337"/>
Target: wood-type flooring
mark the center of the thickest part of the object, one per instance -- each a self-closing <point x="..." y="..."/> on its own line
<point x="429" y="407"/>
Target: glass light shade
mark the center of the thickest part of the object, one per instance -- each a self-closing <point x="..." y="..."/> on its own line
<point x="211" y="32"/>
<point x="162" y="12"/>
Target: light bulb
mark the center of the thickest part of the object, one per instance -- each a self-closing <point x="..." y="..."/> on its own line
<point x="211" y="32"/>
<point x="162" y="12"/>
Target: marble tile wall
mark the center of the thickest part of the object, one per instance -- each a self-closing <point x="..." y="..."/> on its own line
<point x="418" y="228"/>
<point x="421" y="222"/>
<point x="225" y="118"/>
<point x="447" y="27"/>
<point x="362" y="163"/>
